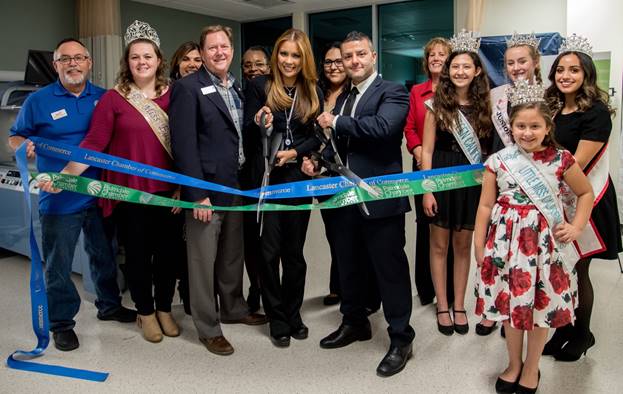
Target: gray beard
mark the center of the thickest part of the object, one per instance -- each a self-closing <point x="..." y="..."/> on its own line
<point x="74" y="81"/>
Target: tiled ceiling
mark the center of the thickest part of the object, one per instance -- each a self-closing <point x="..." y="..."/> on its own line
<point x="250" y="10"/>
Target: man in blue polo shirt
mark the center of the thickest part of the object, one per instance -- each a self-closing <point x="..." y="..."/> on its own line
<point x="62" y="112"/>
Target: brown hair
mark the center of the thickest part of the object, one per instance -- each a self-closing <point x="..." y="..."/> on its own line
<point x="215" y="29"/>
<point x="536" y="59"/>
<point x="125" y="78"/>
<point x="446" y="106"/>
<point x="182" y="51"/>
<point x="429" y="47"/>
<point x="307" y="104"/>
<point x="545" y="112"/>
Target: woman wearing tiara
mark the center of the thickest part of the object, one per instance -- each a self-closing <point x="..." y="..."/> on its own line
<point x="291" y="101"/>
<point x="583" y="126"/>
<point x="521" y="62"/>
<point x="130" y="121"/>
<point x="457" y="131"/>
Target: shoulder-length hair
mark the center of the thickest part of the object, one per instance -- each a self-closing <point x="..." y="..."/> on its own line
<point x="182" y="51"/>
<point x="446" y="105"/>
<point x="124" y="78"/>
<point x="429" y="47"/>
<point x="589" y="92"/>
<point x="307" y="103"/>
<point x="324" y="82"/>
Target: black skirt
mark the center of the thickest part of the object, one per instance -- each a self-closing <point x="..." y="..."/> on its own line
<point x="605" y="216"/>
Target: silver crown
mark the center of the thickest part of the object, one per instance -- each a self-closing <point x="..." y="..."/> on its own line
<point x="141" y="31"/>
<point x="575" y="43"/>
<point x="465" y="41"/>
<point x="523" y="92"/>
<point x="517" y="40"/>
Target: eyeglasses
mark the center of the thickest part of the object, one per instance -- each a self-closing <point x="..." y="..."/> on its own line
<point x="65" y="60"/>
<point x="256" y="65"/>
<point x="328" y="63"/>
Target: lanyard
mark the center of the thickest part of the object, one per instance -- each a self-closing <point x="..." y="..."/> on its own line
<point x="289" y="137"/>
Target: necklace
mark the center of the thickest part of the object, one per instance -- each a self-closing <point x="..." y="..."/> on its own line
<point x="289" y="137"/>
<point x="290" y="90"/>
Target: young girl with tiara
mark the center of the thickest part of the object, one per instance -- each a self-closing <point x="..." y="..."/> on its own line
<point x="522" y="242"/>
<point x="457" y="131"/>
<point x="522" y="62"/>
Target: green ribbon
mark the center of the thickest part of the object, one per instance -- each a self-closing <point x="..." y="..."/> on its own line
<point x="356" y="195"/>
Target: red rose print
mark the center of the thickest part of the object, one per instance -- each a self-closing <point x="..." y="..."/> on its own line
<point x="480" y="306"/>
<point x="542" y="223"/>
<point x="559" y="318"/>
<point x="567" y="160"/>
<point x="541" y="300"/>
<point x="519" y="281"/>
<point x="558" y="278"/>
<point x="488" y="271"/>
<point x="491" y="237"/>
<point x="528" y="241"/>
<point x="546" y="155"/>
<point x="503" y="303"/>
<point x="504" y="200"/>
<point x="509" y="229"/>
<point x="521" y="317"/>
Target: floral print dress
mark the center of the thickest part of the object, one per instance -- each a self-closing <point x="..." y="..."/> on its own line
<point x="523" y="276"/>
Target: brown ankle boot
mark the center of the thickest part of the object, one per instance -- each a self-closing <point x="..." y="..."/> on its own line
<point x="168" y="324"/>
<point x="151" y="328"/>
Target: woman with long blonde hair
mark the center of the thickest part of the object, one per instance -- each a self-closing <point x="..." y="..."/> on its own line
<point x="291" y="101"/>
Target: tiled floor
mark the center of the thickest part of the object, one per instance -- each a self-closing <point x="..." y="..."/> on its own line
<point x="458" y="364"/>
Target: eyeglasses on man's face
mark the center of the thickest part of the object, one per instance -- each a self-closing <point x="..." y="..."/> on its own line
<point x="65" y="60"/>
<point x="337" y="62"/>
<point x="248" y="65"/>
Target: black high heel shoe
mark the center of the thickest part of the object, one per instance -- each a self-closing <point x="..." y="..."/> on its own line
<point x="558" y="340"/>
<point x="504" y="387"/>
<point x="460" y="328"/>
<point x="527" y="390"/>
<point x="483" y="330"/>
<point x="574" y="349"/>
<point x="445" y="330"/>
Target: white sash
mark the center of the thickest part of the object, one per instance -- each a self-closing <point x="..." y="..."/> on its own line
<point x="155" y="116"/>
<point x="465" y="135"/>
<point x="499" y="115"/>
<point x="526" y="173"/>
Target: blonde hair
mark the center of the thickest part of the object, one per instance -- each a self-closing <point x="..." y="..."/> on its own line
<point x="429" y="47"/>
<point x="307" y="104"/>
<point x="215" y="29"/>
<point x="536" y="59"/>
<point x="125" y="78"/>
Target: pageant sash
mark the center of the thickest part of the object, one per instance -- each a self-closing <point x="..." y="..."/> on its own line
<point x="499" y="99"/>
<point x="526" y="173"/>
<point x="465" y="135"/>
<point x="39" y="302"/>
<point x="155" y="116"/>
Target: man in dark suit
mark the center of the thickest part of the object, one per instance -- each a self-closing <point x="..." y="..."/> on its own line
<point x="205" y="118"/>
<point x="368" y="121"/>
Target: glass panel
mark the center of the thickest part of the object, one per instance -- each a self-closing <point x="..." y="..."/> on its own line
<point x="264" y="33"/>
<point x="404" y="29"/>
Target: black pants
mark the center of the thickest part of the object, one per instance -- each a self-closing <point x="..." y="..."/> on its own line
<point x="148" y="234"/>
<point x="334" y="278"/>
<point x="252" y="247"/>
<point x="381" y="241"/>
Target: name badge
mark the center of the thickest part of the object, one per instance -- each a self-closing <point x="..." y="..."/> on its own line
<point x="208" y="90"/>
<point x="61" y="113"/>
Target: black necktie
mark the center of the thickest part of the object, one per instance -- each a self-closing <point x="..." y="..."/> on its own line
<point x="350" y="102"/>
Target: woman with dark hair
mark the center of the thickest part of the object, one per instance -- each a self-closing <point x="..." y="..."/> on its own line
<point x="186" y="60"/>
<point x="291" y="100"/>
<point x="457" y="131"/>
<point x="130" y="121"/>
<point x="583" y="126"/>
<point x="436" y="52"/>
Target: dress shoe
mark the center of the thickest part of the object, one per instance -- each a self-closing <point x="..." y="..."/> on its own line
<point x="252" y="319"/>
<point x="300" y="332"/>
<point x="461" y="329"/>
<point x="426" y="300"/>
<point x="561" y="336"/>
<point x="280" y="340"/>
<point x="331" y="299"/>
<point x="528" y="390"/>
<point x="395" y="360"/>
<point x="150" y="326"/>
<point x="445" y="330"/>
<point x="218" y="345"/>
<point x="575" y="348"/>
<point x="505" y="387"/>
<point x="483" y="330"/>
<point x="345" y="335"/>
<point x="167" y="324"/>
<point x="65" y="340"/>
<point x="121" y="314"/>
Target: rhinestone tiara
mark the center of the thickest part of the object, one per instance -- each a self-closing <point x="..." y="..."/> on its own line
<point x="523" y="92"/>
<point x="576" y="43"/>
<point x="517" y="40"/>
<point x="141" y="31"/>
<point x="465" y="41"/>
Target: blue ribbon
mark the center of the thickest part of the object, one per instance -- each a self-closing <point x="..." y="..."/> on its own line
<point x="308" y="188"/>
<point x="39" y="301"/>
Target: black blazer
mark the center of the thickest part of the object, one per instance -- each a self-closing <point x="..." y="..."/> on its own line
<point x="371" y="141"/>
<point x="204" y="139"/>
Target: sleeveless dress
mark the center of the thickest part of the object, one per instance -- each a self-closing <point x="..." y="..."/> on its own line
<point x="523" y="277"/>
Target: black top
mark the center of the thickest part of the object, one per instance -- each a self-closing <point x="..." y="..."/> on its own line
<point x="592" y="125"/>
<point x="446" y="141"/>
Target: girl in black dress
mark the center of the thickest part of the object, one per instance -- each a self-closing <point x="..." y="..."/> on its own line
<point x="583" y="126"/>
<point x="463" y="87"/>
<point x="291" y="101"/>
